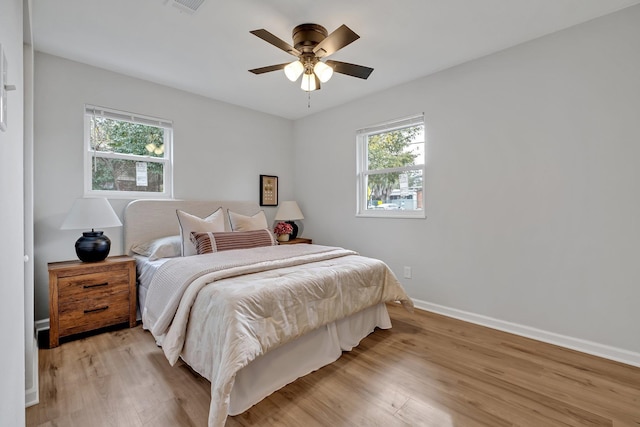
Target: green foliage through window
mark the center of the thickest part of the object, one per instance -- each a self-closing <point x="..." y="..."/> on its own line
<point x="391" y="159"/>
<point x="391" y="150"/>
<point x="127" y="156"/>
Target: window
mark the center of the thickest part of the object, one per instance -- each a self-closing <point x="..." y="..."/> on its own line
<point x="391" y="168"/>
<point x="127" y="155"/>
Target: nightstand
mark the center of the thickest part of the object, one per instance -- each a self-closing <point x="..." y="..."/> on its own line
<point x="296" y="241"/>
<point x="84" y="296"/>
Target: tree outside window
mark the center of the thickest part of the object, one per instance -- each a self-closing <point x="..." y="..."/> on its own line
<point x="390" y="169"/>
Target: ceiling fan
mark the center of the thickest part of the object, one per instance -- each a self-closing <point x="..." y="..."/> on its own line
<point x="311" y="43"/>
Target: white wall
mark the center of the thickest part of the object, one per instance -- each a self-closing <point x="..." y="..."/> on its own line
<point x="12" y="386"/>
<point x="219" y="149"/>
<point x="532" y="184"/>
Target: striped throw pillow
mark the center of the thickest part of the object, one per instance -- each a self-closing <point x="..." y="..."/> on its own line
<point x="207" y="242"/>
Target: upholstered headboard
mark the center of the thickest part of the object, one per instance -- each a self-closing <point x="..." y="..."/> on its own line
<point x="145" y="220"/>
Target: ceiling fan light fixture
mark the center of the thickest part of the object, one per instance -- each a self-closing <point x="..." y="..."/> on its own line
<point x="293" y="70"/>
<point x="323" y="71"/>
<point x="308" y="82"/>
<point x="312" y="44"/>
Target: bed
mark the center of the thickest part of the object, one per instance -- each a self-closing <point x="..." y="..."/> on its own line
<point x="251" y="320"/>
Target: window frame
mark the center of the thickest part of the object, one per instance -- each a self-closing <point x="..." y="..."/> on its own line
<point x="167" y="161"/>
<point x="362" y="171"/>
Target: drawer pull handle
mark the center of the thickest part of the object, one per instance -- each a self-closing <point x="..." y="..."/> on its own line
<point x="96" y="309"/>
<point x="95" y="285"/>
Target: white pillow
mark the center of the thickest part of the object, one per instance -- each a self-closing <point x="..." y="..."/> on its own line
<point x="248" y="223"/>
<point x="190" y="223"/>
<point x="164" y="247"/>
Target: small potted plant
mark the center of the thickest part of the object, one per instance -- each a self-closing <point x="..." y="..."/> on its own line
<point x="283" y="230"/>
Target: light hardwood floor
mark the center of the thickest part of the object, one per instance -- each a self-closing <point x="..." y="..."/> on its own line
<point x="429" y="370"/>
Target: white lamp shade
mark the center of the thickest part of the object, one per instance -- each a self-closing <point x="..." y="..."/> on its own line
<point x="90" y="214"/>
<point x="308" y="82"/>
<point x="293" y="70"/>
<point x="289" y="211"/>
<point x="323" y="71"/>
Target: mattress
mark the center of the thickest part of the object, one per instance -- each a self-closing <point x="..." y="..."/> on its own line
<point x="145" y="271"/>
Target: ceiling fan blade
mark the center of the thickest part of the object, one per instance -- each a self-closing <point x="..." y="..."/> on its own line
<point x="277" y="42"/>
<point x="340" y="38"/>
<point x="353" y="70"/>
<point x="268" y="69"/>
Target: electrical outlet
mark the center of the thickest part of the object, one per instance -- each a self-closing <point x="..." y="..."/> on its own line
<point x="407" y="272"/>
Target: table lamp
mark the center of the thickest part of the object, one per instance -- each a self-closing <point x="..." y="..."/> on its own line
<point x="289" y="212"/>
<point x="91" y="213"/>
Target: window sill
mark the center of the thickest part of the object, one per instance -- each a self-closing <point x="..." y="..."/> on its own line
<point x="132" y="195"/>
<point x="398" y="214"/>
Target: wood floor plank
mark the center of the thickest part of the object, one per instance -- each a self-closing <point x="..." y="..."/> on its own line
<point x="459" y="374"/>
<point x="430" y="415"/>
<point x="429" y="370"/>
<point x="574" y="387"/>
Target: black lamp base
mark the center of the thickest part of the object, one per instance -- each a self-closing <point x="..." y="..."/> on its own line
<point x="294" y="226"/>
<point x="93" y="246"/>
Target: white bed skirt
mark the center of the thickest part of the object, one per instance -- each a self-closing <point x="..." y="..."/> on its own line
<point x="283" y="365"/>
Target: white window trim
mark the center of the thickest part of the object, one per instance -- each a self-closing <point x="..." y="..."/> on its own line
<point x="167" y="161"/>
<point x="362" y="172"/>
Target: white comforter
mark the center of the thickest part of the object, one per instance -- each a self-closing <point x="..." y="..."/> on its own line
<point x="261" y="303"/>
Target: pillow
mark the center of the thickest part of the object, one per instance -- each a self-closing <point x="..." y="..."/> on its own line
<point x="207" y="242"/>
<point x="164" y="247"/>
<point x="190" y="223"/>
<point x="248" y="223"/>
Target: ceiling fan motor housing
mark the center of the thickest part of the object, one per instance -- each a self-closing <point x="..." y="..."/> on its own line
<point x="307" y="36"/>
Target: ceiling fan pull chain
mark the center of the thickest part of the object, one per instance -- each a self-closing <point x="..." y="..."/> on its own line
<point x="309" y="100"/>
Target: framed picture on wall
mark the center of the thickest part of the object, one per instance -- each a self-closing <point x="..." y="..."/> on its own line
<point x="268" y="190"/>
<point x="3" y="91"/>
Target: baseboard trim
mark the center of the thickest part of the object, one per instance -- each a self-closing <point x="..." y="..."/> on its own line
<point x="32" y="395"/>
<point x="41" y="325"/>
<point x="584" y="346"/>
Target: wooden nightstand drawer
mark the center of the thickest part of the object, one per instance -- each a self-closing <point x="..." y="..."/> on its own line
<point x="93" y="314"/>
<point x="86" y="296"/>
<point x="96" y="285"/>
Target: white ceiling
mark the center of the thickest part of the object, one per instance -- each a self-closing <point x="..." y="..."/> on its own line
<point x="209" y="52"/>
